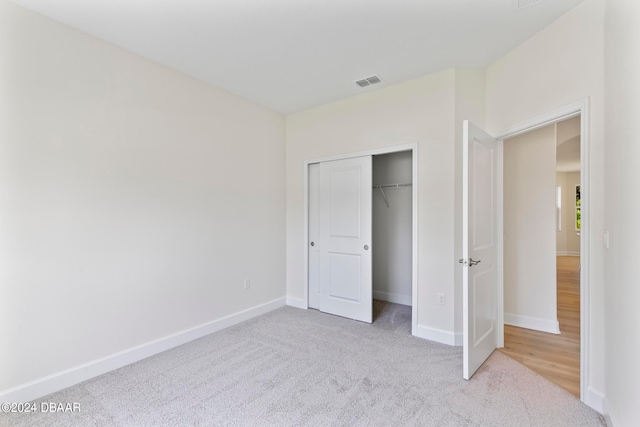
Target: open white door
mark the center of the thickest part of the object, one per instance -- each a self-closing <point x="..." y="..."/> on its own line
<point x="345" y="238"/>
<point x="479" y="247"/>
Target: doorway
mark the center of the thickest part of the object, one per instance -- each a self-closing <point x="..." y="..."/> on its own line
<point x="581" y="109"/>
<point x="393" y="245"/>
<point x="542" y="249"/>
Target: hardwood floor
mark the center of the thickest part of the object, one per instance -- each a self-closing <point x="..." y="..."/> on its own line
<point x="555" y="357"/>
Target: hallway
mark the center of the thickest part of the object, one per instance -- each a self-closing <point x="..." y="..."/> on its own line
<point x="555" y="357"/>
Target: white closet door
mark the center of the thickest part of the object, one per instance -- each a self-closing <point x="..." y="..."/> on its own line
<point x="479" y="247"/>
<point x="345" y="238"/>
<point x="314" y="236"/>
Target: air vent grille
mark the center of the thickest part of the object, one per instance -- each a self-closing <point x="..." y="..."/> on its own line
<point x="368" y="81"/>
<point x="373" y="79"/>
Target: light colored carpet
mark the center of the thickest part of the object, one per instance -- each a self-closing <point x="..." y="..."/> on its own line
<point x="296" y="367"/>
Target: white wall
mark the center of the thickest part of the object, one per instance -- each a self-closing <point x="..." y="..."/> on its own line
<point x="529" y="230"/>
<point x="420" y="110"/>
<point x="623" y="175"/>
<point x="558" y="66"/>
<point x="130" y="206"/>
<point x="392" y="228"/>
<point x="568" y="241"/>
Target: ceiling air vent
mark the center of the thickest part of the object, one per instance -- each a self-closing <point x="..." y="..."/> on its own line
<point x="521" y="4"/>
<point x="368" y="81"/>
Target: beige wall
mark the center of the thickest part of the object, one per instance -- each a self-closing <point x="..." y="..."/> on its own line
<point x="131" y="209"/>
<point x="622" y="206"/>
<point x="419" y="111"/>
<point x="529" y="230"/>
<point x="567" y="129"/>
<point x="560" y="65"/>
<point x="567" y="240"/>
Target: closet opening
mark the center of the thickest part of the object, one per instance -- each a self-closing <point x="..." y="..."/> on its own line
<point x="392" y="239"/>
<point x="388" y="212"/>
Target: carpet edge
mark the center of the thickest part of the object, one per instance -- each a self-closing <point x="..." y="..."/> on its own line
<point x="58" y="381"/>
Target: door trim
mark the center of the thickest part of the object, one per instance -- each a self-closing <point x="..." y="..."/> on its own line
<point x="413" y="147"/>
<point x="579" y="108"/>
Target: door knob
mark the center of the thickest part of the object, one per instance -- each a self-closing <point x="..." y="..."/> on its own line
<point x="472" y="262"/>
<point x="313" y="244"/>
<point x="366" y="247"/>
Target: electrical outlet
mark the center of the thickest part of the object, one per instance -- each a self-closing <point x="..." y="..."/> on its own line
<point x="247" y="283"/>
<point x="441" y="299"/>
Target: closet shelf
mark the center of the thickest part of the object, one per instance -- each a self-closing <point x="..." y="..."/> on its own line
<point x="384" y="196"/>
<point x="408" y="184"/>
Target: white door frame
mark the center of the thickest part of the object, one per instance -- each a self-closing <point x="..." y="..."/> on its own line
<point x="414" y="223"/>
<point x="580" y="108"/>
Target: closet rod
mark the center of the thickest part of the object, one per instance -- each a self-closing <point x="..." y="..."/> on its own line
<point x="408" y="184"/>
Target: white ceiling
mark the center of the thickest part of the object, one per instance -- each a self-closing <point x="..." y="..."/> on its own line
<point x="290" y="55"/>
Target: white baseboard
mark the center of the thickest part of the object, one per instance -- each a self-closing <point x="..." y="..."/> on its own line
<point x="608" y="416"/>
<point x="69" y="377"/>
<point x="394" y="298"/>
<point x="457" y="339"/>
<point x="297" y="303"/>
<point x="567" y="253"/>
<point x="535" y="323"/>
<point x="608" y="420"/>
<point x="437" y="335"/>
<point x="594" y="399"/>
